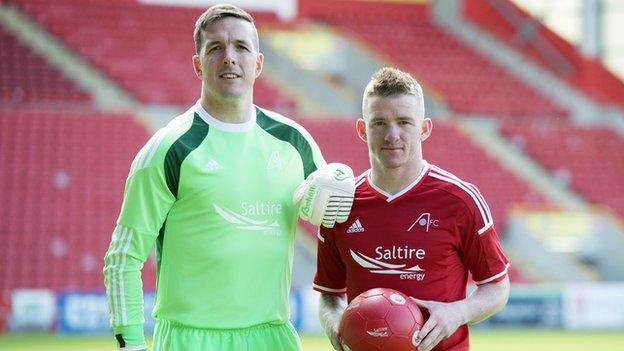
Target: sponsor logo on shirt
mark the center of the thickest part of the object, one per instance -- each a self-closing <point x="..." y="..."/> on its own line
<point x="243" y="221"/>
<point x="355" y="227"/>
<point x="425" y="221"/>
<point x="379" y="265"/>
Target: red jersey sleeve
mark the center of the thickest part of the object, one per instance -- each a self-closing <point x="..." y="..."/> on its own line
<point x="480" y="246"/>
<point x="331" y="274"/>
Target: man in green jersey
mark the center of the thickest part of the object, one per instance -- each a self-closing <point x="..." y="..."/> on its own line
<point x="213" y="192"/>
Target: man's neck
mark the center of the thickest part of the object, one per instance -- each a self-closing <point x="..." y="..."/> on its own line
<point x="228" y="111"/>
<point x="396" y="179"/>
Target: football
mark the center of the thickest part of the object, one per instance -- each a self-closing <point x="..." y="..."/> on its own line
<point x="380" y="319"/>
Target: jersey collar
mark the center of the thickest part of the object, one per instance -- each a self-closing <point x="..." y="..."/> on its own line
<point x="224" y="126"/>
<point x="389" y="197"/>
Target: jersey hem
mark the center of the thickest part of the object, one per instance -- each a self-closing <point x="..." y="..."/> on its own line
<point x="323" y="289"/>
<point x="494" y="278"/>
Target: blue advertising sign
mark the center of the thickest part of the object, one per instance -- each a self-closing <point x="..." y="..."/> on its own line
<point x="87" y="312"/>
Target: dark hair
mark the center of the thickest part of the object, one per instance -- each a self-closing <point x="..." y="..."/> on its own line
<point x="216" y="13"/>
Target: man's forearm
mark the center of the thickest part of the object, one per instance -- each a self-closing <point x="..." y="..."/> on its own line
<point x="486" y="300"/>
<point x="331" y="308"/>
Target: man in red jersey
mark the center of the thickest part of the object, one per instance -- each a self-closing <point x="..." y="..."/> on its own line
<point x="413" y="227"/>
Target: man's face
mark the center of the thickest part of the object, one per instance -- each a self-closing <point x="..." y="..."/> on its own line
<point x="228" y="62"/>
<point x="394" y="128"/>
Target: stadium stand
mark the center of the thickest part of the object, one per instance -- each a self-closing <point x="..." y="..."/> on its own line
<point x="62" y="180"/>
<point x="582" y="157"/>
<point x="471" y="83"/>
<point x="516" y="28"/>
<point x="26" y="78"/>
<point x="147" y="52"/>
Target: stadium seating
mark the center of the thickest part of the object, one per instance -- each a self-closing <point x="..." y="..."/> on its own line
<point x="590" y="160"/>
<point x="516" y="28"/>
<point x="25" y="78"/>
<point x="146" y="49"/>
<point x="62" y="179"/>
<point x="405" y="34"/>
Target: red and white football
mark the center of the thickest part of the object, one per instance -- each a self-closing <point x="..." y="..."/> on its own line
<point x="381" y="319"/>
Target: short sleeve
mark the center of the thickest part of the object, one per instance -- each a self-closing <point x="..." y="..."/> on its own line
<point x="481" y="249"/>
<point x="330" y="275"/>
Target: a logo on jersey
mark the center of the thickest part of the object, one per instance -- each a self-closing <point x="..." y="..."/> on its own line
<point x="275" y="161"/>
<point x="375" y="265"/>
<point x="425" y="221"/>
<point x="212" y="165"/>
<point x="242" y="222"/>
<point x="356" y="227"/>
<point x="340" y="175"/>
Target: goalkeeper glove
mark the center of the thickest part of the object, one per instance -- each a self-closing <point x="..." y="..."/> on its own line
<point x="326" y="196"/>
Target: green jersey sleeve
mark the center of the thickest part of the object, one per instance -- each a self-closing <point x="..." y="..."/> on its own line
<point x="146" y="202"/>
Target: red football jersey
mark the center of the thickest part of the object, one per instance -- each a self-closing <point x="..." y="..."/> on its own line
<point x="422" y="241"/>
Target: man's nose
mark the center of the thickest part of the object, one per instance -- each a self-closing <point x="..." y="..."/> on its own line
<point x="229" y="57"/>
<point x="392" y="133"/>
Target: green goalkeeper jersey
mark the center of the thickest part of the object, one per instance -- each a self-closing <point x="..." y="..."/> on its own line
<point x="216" y="201"/>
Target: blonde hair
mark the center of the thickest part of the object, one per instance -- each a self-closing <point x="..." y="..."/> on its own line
<point x="390" y="81"/>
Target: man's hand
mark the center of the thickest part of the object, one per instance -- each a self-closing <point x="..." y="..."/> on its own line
<point x="443" y="321"/>
<point x="326" y="196"/>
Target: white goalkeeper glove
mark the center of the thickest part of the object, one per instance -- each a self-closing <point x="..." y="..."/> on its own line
<point x="326" y="196"/>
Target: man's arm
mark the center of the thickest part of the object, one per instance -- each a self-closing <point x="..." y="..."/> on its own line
<point x="445" y="318"/>
<point x="146" y="202"/>
<point x="331" y="308"/>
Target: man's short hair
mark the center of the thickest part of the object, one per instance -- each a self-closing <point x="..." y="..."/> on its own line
<point x="390" y="81"/>
<point x="217" y="13"/>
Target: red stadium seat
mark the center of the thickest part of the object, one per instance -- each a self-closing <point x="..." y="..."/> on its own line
<point x="62" y="183"/>
<point x="146" y="49"/>
<point x="405" y="33"/>
<point x="25" y="78"/>
<point x="590" y="160"/>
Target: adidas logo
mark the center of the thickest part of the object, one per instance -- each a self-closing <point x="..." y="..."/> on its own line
<point x="213" y="165"/>
<point x="356" y="227"/>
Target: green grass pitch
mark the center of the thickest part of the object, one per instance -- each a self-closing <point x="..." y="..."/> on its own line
<point x="482" y="340"/>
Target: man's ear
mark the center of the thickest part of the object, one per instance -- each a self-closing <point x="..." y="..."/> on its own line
<point x="360" y="127"/>
<point x="259" y="64"/>
<point x="425" y="130"/>
<point x="197" y="66"/>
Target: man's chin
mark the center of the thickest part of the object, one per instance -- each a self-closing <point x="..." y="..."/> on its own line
<point x="392" y="164"/>
<point x="231" y="94"/>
